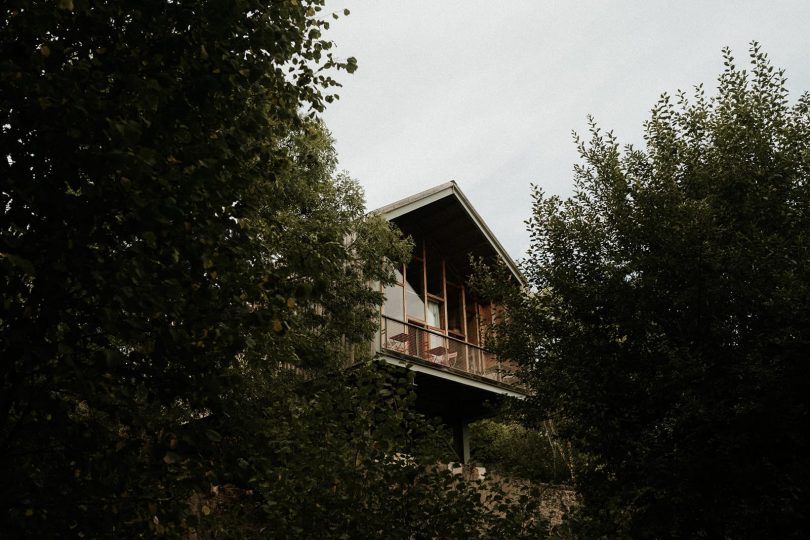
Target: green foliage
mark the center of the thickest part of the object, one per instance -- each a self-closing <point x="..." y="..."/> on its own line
<point x="344" y="456"/>
<point x="182" y="274"/>
<point x="511" y="448"/>
<point x="667" y="328"/>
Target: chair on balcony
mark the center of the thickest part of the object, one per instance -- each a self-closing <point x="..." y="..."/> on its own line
<point x="441" y="355"/>
<point x="398" y="342"/>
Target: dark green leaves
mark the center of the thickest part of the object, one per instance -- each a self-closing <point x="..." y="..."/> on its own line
<point x="667" y="328"/>
<point x="153" y="175"/>
<point x="183" y="273"/>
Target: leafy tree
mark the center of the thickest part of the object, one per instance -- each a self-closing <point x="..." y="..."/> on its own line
<point x="183" y="273"/>
<point x="346" y="457"/>
<point x="170" y="227"/>
<point x="668" y="324"/>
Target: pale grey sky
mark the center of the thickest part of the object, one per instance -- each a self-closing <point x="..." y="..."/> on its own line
<point x="487" y="93"/>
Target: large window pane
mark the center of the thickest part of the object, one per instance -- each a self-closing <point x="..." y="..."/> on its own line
<point x="398" y="274"/>
<point x="434" y="275"/>
<point x="394" y="307"/>
<point x="451" y="273"/>
<point x="435" y="314"/>
<point x="455" y="320"/>
<point x="415" y="290"/>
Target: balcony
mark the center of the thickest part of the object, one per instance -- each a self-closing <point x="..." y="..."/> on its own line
<point x="446" y="353"/>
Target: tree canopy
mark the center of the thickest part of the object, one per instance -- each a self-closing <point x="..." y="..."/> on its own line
<point x="667" y="327"/>
<point x="183" y="274"/>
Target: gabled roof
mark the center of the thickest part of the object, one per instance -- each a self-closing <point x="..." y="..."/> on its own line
<point x="442" y="196"/>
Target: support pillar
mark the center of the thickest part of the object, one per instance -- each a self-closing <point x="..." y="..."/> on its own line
<point x="461" y="440"/>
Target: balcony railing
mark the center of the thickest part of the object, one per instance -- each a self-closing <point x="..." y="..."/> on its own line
<point x="444" y="351"/>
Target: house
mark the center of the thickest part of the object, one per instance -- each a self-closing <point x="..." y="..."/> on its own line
<point x="433" y="324"/>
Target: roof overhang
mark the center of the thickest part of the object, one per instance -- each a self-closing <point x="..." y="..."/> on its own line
<point x="450" y="195"/>
<point x="480" y="383"/>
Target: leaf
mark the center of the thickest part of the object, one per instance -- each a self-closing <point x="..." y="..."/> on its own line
<point x="20" y="262"/>
<point x="351" y="64"/>
<point x="150" y="239"/>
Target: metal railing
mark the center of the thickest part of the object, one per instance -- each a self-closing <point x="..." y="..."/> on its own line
<point x="447" y="352"/>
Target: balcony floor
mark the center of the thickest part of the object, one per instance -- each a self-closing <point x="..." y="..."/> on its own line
<point x="453" y="394"/>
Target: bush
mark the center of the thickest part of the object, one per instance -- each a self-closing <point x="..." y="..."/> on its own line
<point x="510" y="448"/>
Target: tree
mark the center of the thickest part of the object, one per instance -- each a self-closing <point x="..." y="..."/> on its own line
<point x="667" y="327"/>
<point x="183" y="273"/>
<point x="171" y="226"/>
<point x="346" y="458"/>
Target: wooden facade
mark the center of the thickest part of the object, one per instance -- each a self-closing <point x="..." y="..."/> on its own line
<point x="432" y="323"/>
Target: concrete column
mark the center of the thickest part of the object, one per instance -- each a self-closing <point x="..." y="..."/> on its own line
<point x="461" y="440"/>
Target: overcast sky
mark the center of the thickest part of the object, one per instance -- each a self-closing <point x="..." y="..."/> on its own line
<point x="487" y="93"/>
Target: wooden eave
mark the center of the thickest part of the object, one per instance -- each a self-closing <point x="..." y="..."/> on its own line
<point x="445" y="214"/>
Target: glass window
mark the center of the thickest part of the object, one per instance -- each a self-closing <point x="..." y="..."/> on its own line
<point x="434" y="276"/>
<point x="415" y="290"/>
<point x="435" y="314"/>
<point x="451" y="274"/>
<point x="398" y="275"/>
<point x="394" y="306"/>
<point x="455" y="320"/>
